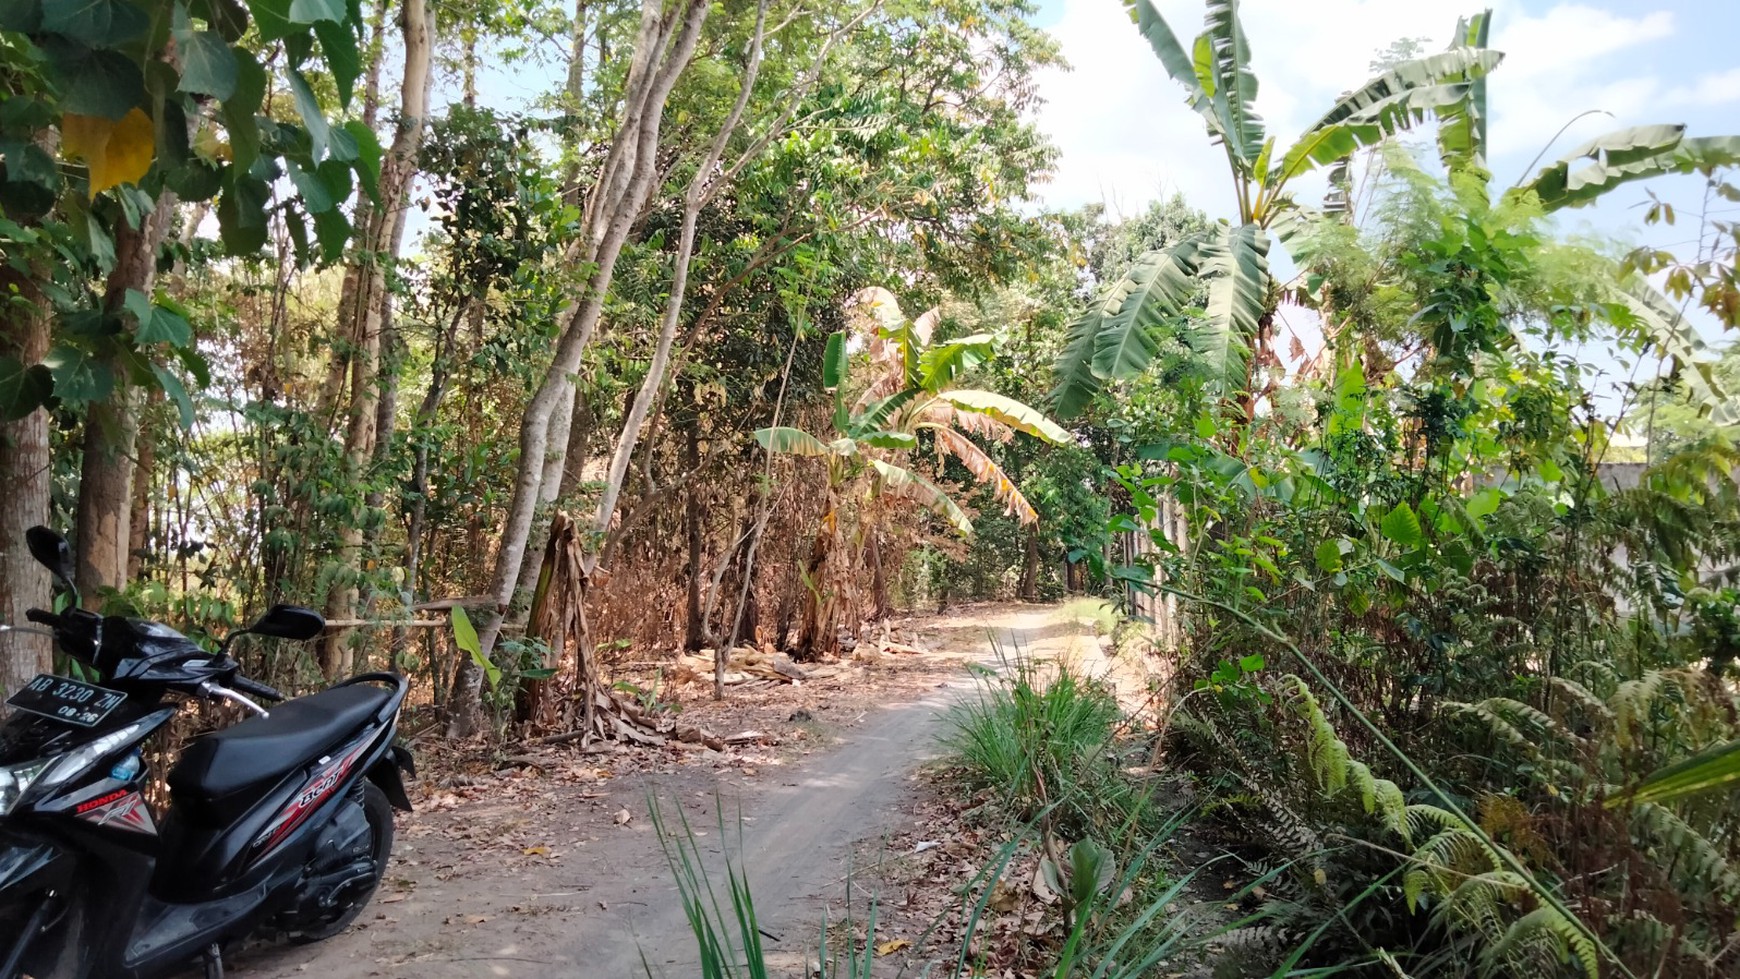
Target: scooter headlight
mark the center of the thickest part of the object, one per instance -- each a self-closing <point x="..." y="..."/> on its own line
<point x="15" y="780"/>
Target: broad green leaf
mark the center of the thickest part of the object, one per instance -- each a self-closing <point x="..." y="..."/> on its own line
<point x="272" y="17"/>
<point x="1149" y="299"/>
<point x="1485" y="503"/>
<point x="241" y="213"/>
<point x="1462" y="125"/>
<point x="97" y="23"/>
<point x="332" y="231"/>
<point x="313" y="191"/>
<point x="1235" y="90"/>
<point x="465" y="637"/>
<point x="308" y="107"/>
<point x="1617" y="158"/>
<point x="79" y="378"/>
<point x="116" y="152"/>
<point x="23" y="389"/>
<point x="311" y="11"/>
<point x="208" y="64"/>
<point x="95" y="83"/>
<point x="176" y="392"/>
<point x="1402" y="525"/>
<point x="1328" y="554"/>
<point x="1235" y="266"/>
<point x="22" y="16"/>
<point x="240" y="110"/>
<point x="1707" y="771"/>
<point x="878" y="413"/>
<point x="161" y="324"/>
<point x="834" y="361"/>
<point x="1391" y="102"/>
<point x="343" y="59"/>
<point x="1010" y="412"/>
<point x="791" y="441"/>
<point x="889" y="440"/>
<point x="941" y="363"/>
<point x="1670" y="332"/>
<point x="228" y="17"/>
<point x="368" y="161"/>
<point x="1077" y="384"/>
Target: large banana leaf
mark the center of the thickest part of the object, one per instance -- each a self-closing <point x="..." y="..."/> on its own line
<point x="987" y="472"/>
<point x="1178" y="62"/>
<point x="1076" y="382"/>
<point x="940" y="364"/>
<point x="1221" y="62"/>
<point x="1462" y="125"/>
<point x="876" y="415"/>
<point x="1717" y="768"/>
<point x="1329" y="142"/>
<point x="1157" y="289"/>
<point x="1120" y="333"/>
<point x="1235" y="264"/>
<point x="909" y="485"/>
<point x="1680" y="341"/>
<point x="1623" y="156"/>
<point x="791" y="441"/>
<point x="1021" y="417"/>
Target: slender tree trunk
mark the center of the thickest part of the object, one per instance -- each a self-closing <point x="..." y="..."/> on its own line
<point x="880" y="607"/>
<point x="1030" y="567"/>
<point x="379" y="238"/>
<point x="112" y="426"/>
<point x="24" y="474"/>
<point x="695" y="626"/>
<point x="139" y="521"/>
<point x="665" y="43"/>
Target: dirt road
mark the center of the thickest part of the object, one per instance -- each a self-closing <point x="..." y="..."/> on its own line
<point x="561" y="882"/>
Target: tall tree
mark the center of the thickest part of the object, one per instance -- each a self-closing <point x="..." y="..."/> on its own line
<point x="366" y="306"/>
<point x="664" y="44"/>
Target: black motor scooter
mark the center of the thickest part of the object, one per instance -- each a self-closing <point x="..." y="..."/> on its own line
<point x="282" y="823"/>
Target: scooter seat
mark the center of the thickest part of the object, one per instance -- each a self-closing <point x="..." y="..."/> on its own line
<point x="267" y="748"/>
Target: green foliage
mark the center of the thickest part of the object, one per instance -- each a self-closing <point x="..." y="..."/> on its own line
<point x="1042" y="739"/>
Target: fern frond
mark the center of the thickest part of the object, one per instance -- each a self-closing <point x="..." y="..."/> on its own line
<point x="1542" y="925"/>
<point x="1594" y="708"/>
<point x="1698" y="864"/>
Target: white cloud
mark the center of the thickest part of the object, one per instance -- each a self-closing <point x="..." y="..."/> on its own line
<point x="1716" y="88"/>
<point x="1127" y="137"/>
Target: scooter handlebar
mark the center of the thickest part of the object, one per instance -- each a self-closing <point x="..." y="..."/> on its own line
<point x="254" y="688"/>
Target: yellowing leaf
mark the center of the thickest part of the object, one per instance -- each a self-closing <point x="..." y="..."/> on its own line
<point x="890" y="947"/>
<point x="537" y="851"/>
<point x="116" y="151"/>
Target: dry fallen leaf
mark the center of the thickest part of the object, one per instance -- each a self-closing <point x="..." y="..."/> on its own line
<point x="623" y="816"/>
<point x="537" y="851"/>
<point x="890" y="947"/>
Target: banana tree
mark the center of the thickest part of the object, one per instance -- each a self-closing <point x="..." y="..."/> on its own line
<point x="910" y="392"/>
<point x="1215" y="288"/>
<point x="1583" y="176"/>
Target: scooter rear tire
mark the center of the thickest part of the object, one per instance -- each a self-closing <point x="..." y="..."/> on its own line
<point x="380" y="817"/>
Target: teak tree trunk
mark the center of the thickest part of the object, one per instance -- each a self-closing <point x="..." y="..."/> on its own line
<point x="107" y="467"/>
<point x="24" y="476"/>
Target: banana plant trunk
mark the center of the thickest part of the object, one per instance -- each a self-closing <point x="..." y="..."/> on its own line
<point x="818" y="633"/>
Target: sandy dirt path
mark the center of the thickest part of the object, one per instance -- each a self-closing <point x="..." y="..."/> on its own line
<point x="550" y="884"/>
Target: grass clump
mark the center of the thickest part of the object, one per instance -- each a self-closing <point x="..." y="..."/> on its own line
<point x="1043" y="739"/>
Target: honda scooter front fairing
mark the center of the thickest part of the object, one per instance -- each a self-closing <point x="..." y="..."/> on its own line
<point x="282" y="823"/>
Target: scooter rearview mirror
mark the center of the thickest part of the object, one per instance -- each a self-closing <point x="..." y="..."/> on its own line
<point x="52" y="552"/>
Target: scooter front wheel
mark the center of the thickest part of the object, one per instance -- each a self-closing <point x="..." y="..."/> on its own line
<point x="355" y="898"/>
